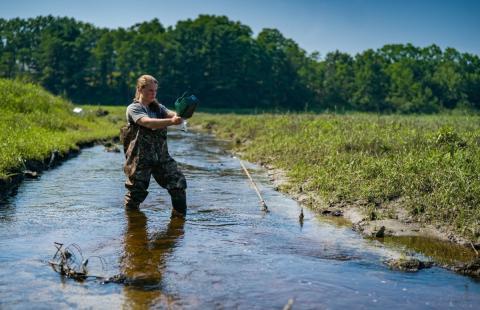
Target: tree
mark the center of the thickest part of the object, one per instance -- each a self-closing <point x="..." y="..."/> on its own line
<point x="220" y="61"/>
<point x="371" y="83"/>
<point x="337" y="80"/>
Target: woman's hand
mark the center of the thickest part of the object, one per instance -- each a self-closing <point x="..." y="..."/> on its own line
<point x="176" y="120"/>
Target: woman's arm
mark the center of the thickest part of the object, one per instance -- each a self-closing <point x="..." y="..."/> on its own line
<point x="158" y="123"/>
<point x="170" y="114"/>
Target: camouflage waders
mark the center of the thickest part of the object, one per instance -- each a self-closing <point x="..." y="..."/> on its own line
<point x="146" y="154"/>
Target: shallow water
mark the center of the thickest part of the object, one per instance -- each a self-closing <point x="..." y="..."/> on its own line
<point x="228" y="253"/>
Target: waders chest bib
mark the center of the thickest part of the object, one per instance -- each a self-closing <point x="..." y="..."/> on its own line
<point x="144" y="147"/>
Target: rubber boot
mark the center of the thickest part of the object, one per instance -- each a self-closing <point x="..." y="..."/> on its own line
<point x="179" y="203"/>
<point x="131" y="205"/>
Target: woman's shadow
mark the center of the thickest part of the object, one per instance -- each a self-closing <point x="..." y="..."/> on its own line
<point x="144" y="259"/>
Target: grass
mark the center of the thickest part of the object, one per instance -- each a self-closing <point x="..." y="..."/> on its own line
<point x="430" y="165"/>
<point x="33" y="123"/>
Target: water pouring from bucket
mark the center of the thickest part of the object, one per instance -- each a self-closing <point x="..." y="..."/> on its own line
<point x="185" y="106"/>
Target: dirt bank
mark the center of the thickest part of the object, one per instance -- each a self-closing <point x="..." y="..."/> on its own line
<point x="396" y="223"/>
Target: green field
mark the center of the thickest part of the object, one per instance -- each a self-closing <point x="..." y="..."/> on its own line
<point x="428" y="165"/>
<point x="33" y="123"/>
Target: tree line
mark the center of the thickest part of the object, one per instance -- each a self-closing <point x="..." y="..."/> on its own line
<point x="226" y="66"/>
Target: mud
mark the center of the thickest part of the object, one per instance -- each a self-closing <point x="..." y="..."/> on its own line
<point x="409" y="264"/>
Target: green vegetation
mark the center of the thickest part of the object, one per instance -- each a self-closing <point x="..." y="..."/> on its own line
<point x="226" y="67"/>
<point x="33" y="123"/>
<point x="430" y="165"/>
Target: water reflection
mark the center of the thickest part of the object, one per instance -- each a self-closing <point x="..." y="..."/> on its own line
<point x="7" y="212"/>
<point x="143" y="262"/>
<point x="440" y="251"/>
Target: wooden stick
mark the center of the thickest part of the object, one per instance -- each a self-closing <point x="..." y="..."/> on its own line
<point x="473" y="247"/>
<point x="262" y="202"/>
<point x="289" y="304"/>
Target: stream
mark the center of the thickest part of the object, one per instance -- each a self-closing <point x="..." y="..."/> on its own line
<point x="227" y="254"/>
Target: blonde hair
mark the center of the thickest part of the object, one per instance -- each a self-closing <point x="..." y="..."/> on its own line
<point x="142" y="82"/>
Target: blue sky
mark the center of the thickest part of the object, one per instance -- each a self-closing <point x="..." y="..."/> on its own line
<point x="316" y="25"/>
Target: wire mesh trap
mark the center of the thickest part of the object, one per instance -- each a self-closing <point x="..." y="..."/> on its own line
<point x="69" y="261"/>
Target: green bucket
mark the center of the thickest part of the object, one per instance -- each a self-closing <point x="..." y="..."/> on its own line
<point x="186" y="105"/>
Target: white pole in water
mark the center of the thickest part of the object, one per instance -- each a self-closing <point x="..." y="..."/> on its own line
<point x="262" y="202"/>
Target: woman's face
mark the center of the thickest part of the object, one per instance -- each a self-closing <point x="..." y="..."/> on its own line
<point x="149" y="92"/>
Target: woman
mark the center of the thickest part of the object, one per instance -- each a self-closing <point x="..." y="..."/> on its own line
<point x="146" y="150"/>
